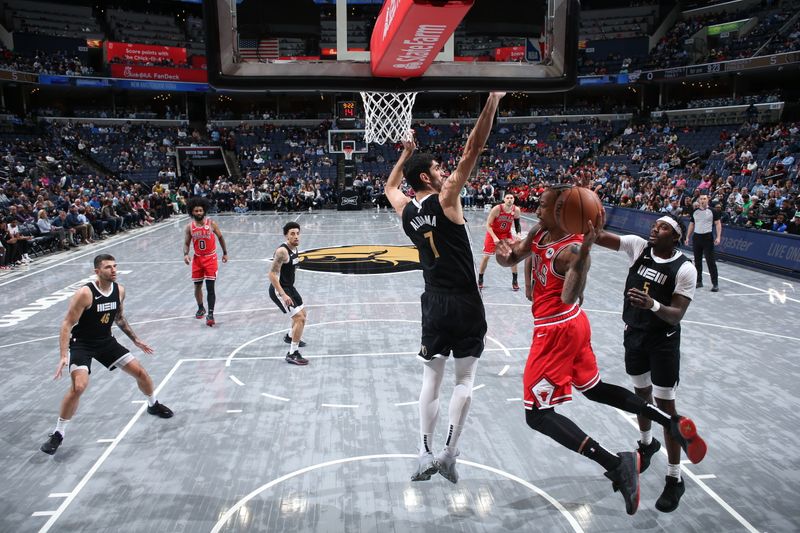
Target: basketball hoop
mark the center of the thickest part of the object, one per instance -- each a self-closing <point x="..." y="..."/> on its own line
<point x="388" y="116"/>
<point x="348" y="152"/>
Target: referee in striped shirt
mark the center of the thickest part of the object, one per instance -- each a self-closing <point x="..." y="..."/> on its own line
<point x="702" y="222"/>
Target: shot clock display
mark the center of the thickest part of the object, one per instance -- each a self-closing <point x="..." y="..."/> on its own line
<point x="347" y="109"/>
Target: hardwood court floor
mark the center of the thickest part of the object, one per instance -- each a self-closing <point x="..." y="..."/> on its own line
<point x="259" y="445"/>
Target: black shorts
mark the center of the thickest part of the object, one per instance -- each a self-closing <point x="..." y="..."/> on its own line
<point x="107" y="351"/>
<point x="296" y="298"/>
<point x="657" y="352"/>
<point x="452" y="323"/>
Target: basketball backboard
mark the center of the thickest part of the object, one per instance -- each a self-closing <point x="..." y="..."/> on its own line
<point x="323" y="46"/>
<point x="340" y="140"/>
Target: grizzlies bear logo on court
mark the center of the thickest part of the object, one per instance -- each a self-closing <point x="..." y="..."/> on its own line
<point x="361" y="259"/>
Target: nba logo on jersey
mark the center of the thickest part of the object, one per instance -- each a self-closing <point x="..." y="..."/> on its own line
<point x="549" y="253"/>
<point x="543" y="392"/>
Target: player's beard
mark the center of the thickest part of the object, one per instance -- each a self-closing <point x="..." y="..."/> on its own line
<point x="199" y="218"/>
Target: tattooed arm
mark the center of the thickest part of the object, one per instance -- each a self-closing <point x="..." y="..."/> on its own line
<point x="281" y="257"/>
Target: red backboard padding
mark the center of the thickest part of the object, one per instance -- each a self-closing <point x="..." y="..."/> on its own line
<point x="408" y="35"/>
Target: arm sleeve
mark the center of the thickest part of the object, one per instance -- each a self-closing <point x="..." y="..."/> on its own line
<point x="517" y="226"/>
<point x="633" y="246"/>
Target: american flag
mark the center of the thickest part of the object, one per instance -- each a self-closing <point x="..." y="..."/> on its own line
<point x="258" y="49"/>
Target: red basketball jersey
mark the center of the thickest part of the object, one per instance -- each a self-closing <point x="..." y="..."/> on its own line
<point x="504" y="221"/>
<point x="203" y="238"/>
<point x="547" y="284"/>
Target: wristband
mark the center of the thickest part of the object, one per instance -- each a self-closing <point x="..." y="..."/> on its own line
<point x="656" y="306"/>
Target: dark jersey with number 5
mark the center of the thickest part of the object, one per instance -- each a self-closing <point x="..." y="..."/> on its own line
<point x="444" y="248"/>
<point x="96" y="320"/>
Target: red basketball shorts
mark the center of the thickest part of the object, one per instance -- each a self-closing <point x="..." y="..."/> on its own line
<point x="204" y="267"/>
<point x="561" y="356"/>
<point x="488" y="242"/>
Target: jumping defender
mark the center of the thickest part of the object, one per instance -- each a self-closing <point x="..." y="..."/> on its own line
<point x="453" y="318"/>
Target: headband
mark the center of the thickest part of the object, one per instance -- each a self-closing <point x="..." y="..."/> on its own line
<point x="671" y="222"/>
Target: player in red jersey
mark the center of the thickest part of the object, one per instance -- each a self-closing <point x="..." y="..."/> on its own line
<point x="501" y="219"/>
<point x="561" y="352"/>
<point x="203" y="233"/>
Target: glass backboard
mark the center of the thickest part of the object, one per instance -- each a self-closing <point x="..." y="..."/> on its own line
<point x="324" y="46"/>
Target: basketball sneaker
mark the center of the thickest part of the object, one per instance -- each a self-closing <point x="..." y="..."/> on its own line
<point x="646" y="452"/>
<point x="446" y="465"/>
<point x="160" y="410"/>
<point x="684" y="431"/>
<point x="52" y="443"/>
<point x="210" y="319"/>
<point x="625" y="479"/>
<point x="671" y="497"/>
<point x="514" y="286"/>
<point x="296" y="359"/>
<point x="288" y="340"/>
<point x="201" y="312"/>
<point x="426" y="467"/>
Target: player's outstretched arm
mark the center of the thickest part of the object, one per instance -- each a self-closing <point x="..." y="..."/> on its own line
<point x="187" y="242"/>
<point x="77" y="305"/>
<point x="392" y="188"/>
<point x="122" y="323"/>
<point x="222" y="244"/>
<point x="449" y="197"/>
<point x="509" y="254"/>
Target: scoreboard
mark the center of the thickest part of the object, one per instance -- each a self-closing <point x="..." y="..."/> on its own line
<point x="347" y="109"/>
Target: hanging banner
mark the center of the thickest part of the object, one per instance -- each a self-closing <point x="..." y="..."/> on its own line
<point x="509" y="53"/>
<point x="159" y="73"/>
<point x="141" y="53"/>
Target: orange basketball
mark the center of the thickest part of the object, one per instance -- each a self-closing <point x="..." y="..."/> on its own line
<point x="575" y="207"/>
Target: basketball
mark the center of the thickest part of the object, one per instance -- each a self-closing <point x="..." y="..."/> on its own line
<point x="575" y="207"/>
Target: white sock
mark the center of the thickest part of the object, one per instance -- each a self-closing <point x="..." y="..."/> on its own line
<point x="647" y="437"/>
<point x="432" y="374"/>
<point x="460" y="401"/>
<point x="426" y="443"/>
<point x="452" y="439"/>
<point x="151" y="400"/>
<point x="294" y="346"/>
<point x="674" y="471"/>
<point x="61" y="425"/>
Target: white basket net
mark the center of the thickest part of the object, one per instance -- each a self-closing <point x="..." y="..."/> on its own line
<point x="388" y="116"/>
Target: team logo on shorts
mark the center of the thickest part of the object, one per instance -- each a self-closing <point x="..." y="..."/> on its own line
<point x="549" y="253"/>
<point x="543" y="392"/>
<point x="361" y="259"/>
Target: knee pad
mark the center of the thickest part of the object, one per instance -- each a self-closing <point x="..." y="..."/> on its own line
<point x="642" y="381"/>
<point x="664" y="393"/>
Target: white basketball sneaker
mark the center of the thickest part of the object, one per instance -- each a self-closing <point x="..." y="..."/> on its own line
<point x="446" y="464"/>
<point x="425" y="469"/>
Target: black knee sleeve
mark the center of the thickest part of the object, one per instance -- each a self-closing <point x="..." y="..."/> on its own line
<point x="212" y="296"/>
<point x="616" y="396"/>
<point x="556" y="426"/>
